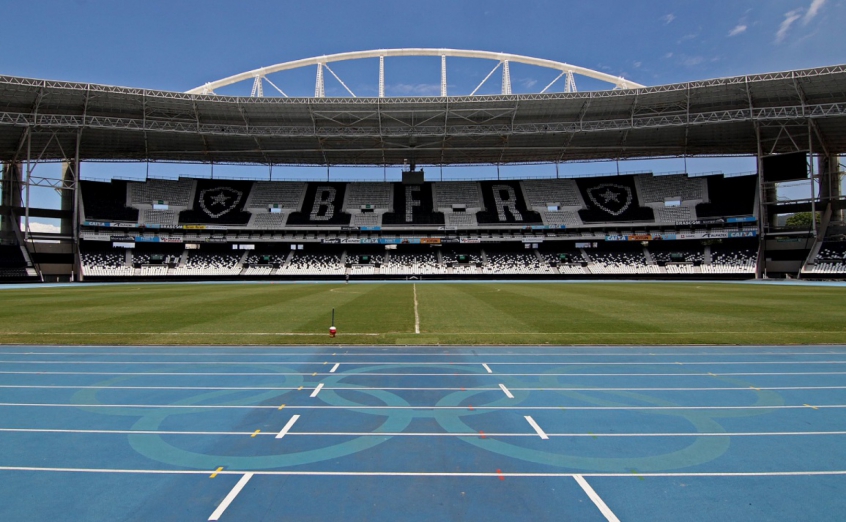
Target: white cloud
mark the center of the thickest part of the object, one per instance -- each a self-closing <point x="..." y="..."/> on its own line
<point x="693" y="61"/>
<point x="35" y="226"/>
<point x="789" y="18"/>
<point x="668" y="55"/>
<point x="813" y="11"/>
<point x="637" y="65"/>
<point x="668" y="18"/>
<point x="528" y="83"/>
<point x="738" y="29"/>
<point x="418" y="89"/>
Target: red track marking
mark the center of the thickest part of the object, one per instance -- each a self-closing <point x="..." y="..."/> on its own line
<point x="482" y="434"/>
<point x="462" y="389"/>
<point x="469" y="407"/>
<point x="500" y="474"/>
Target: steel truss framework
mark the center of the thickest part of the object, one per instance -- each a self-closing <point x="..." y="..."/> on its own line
<point x="748" y="115"/>
<point x="259" y="76"/>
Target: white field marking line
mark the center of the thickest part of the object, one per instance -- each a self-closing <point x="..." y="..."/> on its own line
<point x="231" y="496"/>
<point x="522" y="334"/>
<point x="427" y="474"/>
<point x="537" y="428"/>
<point x="487" y="368"/>
<point x="412" y="388"/>
<point x="597" y="500"/>
<point x="416" y="313"/>
<point x="288" y="426"/>
<point x="426" y="434"/>
<point x="316" y="390"/>
<point x="380" y="374"/>
<point x="434" y="363"/>
<point x="334" y="368"/>
<point x="505" y="391"/>
<point x="281" y="334"/>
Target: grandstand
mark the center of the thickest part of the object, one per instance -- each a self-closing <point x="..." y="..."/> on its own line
<point x="510" y="228"/>
<point x="644" y="224"/>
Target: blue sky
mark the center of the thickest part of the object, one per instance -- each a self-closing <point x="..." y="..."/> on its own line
<point x="180" y="44"/>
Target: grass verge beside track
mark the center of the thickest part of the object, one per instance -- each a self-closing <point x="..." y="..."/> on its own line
<point x="449" y="313"/>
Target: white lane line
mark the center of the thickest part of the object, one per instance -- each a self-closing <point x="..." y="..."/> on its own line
<point x="488" y="368"/>
<point x="410" y="354"/>
<point x="421" y="407"/>
<point x="316" y="390"/>
<point x="597" y="500"/>
<point x="231" y="496"/>
<point x="537" y="428"/>
<point x="426" y="434"/>
<point x="412" y="388"/>
<point x="381" y="374"/>
<point x="416" y="313"/>
<point x="505" y="391"/>
<point x="334" y="368"/>
<point x="287" y="427"/>
<point x="431" y="363"/>
<point x="426" y="474"/>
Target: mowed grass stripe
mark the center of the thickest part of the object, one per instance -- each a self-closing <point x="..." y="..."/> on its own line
<point x="450" y="313"/>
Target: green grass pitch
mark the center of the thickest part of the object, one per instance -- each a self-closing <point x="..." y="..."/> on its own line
<point x="449" y="313"/>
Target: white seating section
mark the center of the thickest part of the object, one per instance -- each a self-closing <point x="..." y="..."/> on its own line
<point x="540" y="193"/>
<point x="153" y="270"/>
<point x="412" y="264"/>
<point x="567" y="218"/>
<point x="620" y="263"/>
<point x="732" y="262"/>
<point x="105" y="264"/>
<point x="829" y="260"/>
<point x="827" y="267"/>
<point x="656" y="189"/>
<point x="515" y="263"/>
<point x="379" y="195"/>
<point x="311" y="264"/>
<point x="267" y="220"/>
<point x="467" y="193"/>
<point x="164" y="218"/>
<point x="263" y="270"/>
<point x="286" y="194"/>
<point x="366" y="220"/>
<point x="173" y="193"/>
<point x="460" y="219"/>
<point x="210" y="264"/>
<point x="673" y="214"/>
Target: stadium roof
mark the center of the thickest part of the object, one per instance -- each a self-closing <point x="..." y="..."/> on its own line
<point x="792" y="110"/>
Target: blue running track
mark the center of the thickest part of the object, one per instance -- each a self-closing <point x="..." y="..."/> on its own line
<point x="423" y="433"/>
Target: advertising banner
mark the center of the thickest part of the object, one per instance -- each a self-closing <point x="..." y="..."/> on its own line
<point x="616" y="238"/>
<point x="430" y="241"/>
<point x="140" y="239"/>
<point x="748" y="233"/>
<point x="470" y="240"/>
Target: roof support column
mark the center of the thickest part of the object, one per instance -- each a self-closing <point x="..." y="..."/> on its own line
<point x="319" y="89"/>
<point x="506" y="78"/>
<point x="381" y="76"/>
<point x="443" y="76"/>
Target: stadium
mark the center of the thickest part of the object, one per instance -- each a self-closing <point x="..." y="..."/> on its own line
<point x="586" y="339"/>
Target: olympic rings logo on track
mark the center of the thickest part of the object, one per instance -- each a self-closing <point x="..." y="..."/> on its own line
<point x="453" y="420"/>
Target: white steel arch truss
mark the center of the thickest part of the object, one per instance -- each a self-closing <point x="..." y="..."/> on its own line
<point x="503" y="61"/>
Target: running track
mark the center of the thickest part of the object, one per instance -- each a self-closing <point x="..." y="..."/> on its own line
<point x="422" y="433"/>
